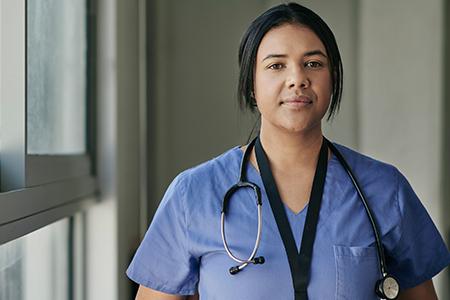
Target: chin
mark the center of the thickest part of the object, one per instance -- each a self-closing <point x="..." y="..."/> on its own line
<point x="296" y="129"/>
<point x="300" y="128"/>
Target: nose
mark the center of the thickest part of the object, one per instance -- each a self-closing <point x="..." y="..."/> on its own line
<point x="298" y="78"/>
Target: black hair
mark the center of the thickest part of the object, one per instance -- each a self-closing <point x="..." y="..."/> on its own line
<point x="290" y="13"/>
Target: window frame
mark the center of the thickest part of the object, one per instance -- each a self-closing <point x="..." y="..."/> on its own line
<point x="36" y="190"/>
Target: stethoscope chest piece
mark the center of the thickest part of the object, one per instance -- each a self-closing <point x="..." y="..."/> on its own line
<point x="387" y="287"/>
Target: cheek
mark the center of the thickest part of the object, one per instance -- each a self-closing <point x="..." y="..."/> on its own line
<point x="266" y="86"/>
<point x="325" y="87"/>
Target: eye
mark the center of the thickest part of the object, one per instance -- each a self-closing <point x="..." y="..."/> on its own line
<point x="276" y="66"/>
<point x="313" y="64"/>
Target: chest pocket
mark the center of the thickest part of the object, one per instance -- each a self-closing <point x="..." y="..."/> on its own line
<point x="356" y="272"/>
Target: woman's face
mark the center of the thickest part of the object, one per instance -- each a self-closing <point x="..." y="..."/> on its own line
<point x="292" y="84"/>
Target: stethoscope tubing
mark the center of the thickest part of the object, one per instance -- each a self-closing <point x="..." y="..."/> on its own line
<point x="243" y="183"/>
<point x="250" y="259"/>
<point x="373" y="223"/>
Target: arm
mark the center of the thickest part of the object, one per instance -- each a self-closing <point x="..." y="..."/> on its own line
<point x="145" y="293"/>
<point x="424" y="291"/>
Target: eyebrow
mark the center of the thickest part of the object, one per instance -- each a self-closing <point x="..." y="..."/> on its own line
<point x="309" y="53"/>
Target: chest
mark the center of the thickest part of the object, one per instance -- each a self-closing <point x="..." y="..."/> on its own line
<point x="337" y="270"/>
<point x="294" y="189"/>
<point x="344" y="263"/>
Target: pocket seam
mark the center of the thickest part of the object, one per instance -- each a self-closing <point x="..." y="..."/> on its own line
<point x="348" y="252"/>
<point x="354" y="251"/>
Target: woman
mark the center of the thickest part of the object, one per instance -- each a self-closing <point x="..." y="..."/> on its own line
<point x="290" y="71"/>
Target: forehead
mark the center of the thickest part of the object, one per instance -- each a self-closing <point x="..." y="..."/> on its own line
<point x="290" y="39"/>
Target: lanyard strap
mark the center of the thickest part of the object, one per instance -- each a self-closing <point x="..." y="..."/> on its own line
<point x="299" y="263"/>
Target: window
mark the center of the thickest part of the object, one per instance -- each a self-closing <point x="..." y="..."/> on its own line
<point x="31" y="265"/>
<point x="56" y="77"/>
<point x="46" y="140"/>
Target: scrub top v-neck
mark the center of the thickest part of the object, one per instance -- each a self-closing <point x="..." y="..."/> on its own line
<point x="299" y="260"/>
<point x="182" y="251"/>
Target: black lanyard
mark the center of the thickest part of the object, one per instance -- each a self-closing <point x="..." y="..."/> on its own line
<point x="300" y="263"/>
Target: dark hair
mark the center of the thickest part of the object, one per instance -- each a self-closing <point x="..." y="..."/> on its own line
<point x="274" y="17"/>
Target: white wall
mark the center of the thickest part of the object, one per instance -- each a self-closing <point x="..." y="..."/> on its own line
<point x="101" y="219"/>
<point x="401" y="99"/>
<point x="113" y="226"/>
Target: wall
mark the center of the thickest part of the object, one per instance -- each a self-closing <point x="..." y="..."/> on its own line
<point x="342" y="17"/>
<point x="101" y="219"/>
<point x="401" y="94"/>
<point x="196" y="112"/>
<point x="112" y="226"/>
<point x="445" y="134"/>
<point x="196" y="115"/>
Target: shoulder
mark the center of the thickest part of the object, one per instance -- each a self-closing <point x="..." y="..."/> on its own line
<point x="198" y="191"/>
<point x="203" y="183"/>
<point x="218" y="170"/>
<point x="379" y="182"/>
<point x="368" y="169"/>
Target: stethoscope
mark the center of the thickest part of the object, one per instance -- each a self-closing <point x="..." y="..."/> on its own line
<point x="387" y="287"/>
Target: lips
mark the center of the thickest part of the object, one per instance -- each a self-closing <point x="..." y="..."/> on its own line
<point x="297" y="101"/>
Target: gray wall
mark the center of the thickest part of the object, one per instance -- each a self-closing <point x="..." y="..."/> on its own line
<point x="445" y="134"/>
<point x="195" y="109"/>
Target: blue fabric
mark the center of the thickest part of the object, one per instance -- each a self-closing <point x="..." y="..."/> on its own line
<point x="182" y="250"/>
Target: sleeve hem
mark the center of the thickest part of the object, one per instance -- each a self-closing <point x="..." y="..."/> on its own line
<point x="161" y="287"/>
<point x="429" y="275"/>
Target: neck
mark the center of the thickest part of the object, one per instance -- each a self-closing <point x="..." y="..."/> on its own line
<point x="288" y="151"/>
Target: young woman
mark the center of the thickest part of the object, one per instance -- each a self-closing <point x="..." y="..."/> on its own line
<point x="314" y="236"/>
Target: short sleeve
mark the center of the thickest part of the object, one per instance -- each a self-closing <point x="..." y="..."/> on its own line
<point x="420" y="252"/>
<point x="163" y="262"/>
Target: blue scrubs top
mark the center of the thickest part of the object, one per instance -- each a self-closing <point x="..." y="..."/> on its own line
<point x="182" y="251"/>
